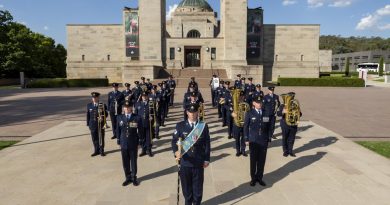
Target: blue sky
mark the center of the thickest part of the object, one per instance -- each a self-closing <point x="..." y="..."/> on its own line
<point x="337" y="17"/>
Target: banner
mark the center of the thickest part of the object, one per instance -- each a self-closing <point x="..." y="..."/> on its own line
<point x="131" y="33"/>
<point x="254" y="31"/>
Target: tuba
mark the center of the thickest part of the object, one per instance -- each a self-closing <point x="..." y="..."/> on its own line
<point x="240" y="108"/>
<point x="293" y="109"/>
<point x="201" y="112"/>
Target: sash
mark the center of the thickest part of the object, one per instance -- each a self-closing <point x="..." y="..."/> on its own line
<point x="193" y="137"/>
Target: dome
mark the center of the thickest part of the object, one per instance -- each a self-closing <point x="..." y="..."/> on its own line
<point x="199" y="4"/>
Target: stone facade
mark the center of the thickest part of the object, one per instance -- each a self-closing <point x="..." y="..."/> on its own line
<point x="325" y="60"/>
<point x="193" y="38"/>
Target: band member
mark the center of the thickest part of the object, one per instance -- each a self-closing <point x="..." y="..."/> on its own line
<point x="137" y="91"/>
<point x="250" y="88"/>
<point x="115" y="102"/>
<point x="271" y="104"/>
<point x="214" y="84"/>
<point x="242" y="83"/>
<point x="220" y="92"/>
<point x="142" y="81"/>
<point x="165" y="99"/>
<point x="128" y="132"/>
<point x="229" y="110"/>
<point x="142" y="110"/>
<point x="160" y="108"/>
<point x="192" y="162"/>
<point x="225" y="92"/>
<point x="128" y="93"/>
<point x="256" y="137"/>
<point x="156" y="99"/>
<point x="148" y="84"/>
<point x="238" y="83"/>
<point x="193" y="84"/>
<point x="193" y="100"/>
<point x="94" y="122"/>
<point x="288" y="132"/>
<point x="171" y="86"/>
<point x="238" y="132"/>
<point x="258" y="92"/>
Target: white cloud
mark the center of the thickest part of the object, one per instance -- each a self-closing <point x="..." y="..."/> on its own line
<point x="171" y="10"/>
<point x="331" y="3"/>
<point x="288" y="2"/>
<point x="339" y="3"/>
<point x="374" y="21"/>
<point x="23" y="22"/>
<point x="1" y="6"/>
<point x="46" y="28"/>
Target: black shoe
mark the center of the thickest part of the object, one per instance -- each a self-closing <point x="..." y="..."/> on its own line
<point x="143" y="153"/>
<point x="135" y="182"/>
<point x="293" y="155"/>
<point x="261" y="182"/>
<point x="94" y="154"/>
<point x="102" y="154"/>
<point x="238" y="154"/>
<point x="285" y="154"/>
<point x="223" y="125"/>
<point x="113" y="137"/>
<point x="244" y="154"/>
<point x="127" y="182"/>
<point x="158" y="137"/>
<point x="150" y="154"/>
<point x="230" y="137"/>
<point x="252" y="183"/>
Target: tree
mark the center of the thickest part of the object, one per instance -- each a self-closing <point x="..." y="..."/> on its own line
<point x="381" y="62"/>
<point x="347" y="68"/>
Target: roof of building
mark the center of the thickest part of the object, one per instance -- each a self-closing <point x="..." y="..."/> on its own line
<point x="195" y="3"/>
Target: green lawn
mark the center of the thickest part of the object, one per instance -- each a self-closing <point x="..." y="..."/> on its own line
<point x="4" y="144"/>
<point x="380" y="80"/>
<point x="382" y="148"/>
<point x="10" y="87"/>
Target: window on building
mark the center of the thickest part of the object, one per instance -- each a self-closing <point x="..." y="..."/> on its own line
<point x="172" y="53"/>
<point x="376" y="56"/>
<point x="83" y="57"/>
<point x="350" y="58"/>
<point x="342" y="58"/>
<point x="336" y="59"/>
<point x="357" y="57"/>
<point x="108" y="57"/>
<point x="364" y="57"/>
<point x="388" y="57"/>
<point x="302" y="57"/>
<point x="193" y="34"/>
<point x="213" y="53"/>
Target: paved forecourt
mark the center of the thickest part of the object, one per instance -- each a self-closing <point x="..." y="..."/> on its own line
<point x="55" y="167"/>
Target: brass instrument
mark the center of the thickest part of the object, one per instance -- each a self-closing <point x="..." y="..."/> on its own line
<point x="239" y="108"/>
<point x="201" y="112"/>
<point x="116" y="107"/>
<point x="222" y="101"/>
<point x="152" y="117"/>
<point x="102" y="122"/>
<point x="293" y="109"/>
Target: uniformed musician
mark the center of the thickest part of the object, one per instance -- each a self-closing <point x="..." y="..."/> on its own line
<point x="171" y="86"/>
<point x="192" y="162"/>
<point x="250" y="88"/>
<point x="256" y="137"/>
<point x="214" y="84"/>
<point x="229" y="110"/>
<point x="128" y="132"/>
<point x="219" y="92"/>
<point x="142" y="110"/>
<point x="128" y="93"/>
<point x="165" y="99"/>
<point x="271" y="104"/>
<point x="137" y="92"/>
<point x="192" y="100"/>
<point x="238" y="132"/>
<point x="238" y="82"/>
<point x="94" y="122"/>
<point x="156" y="99"/>
<point x="258" y="92"/>
<point x="115" y="102"/>
<point x="193" y="84"/>
<point x="225" y="92"/>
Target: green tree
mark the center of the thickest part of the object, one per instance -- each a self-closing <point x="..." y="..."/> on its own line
<point x="381" y="62"/>
<point x="347" y="68"/>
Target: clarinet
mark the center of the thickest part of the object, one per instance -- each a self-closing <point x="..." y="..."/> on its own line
<point x="178" y="172"/>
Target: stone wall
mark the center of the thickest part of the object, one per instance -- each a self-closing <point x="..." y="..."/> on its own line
<point x="325" y="60"/>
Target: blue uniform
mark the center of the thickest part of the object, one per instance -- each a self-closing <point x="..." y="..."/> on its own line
<point x="142" y="110"/>
<point x="192" y="171"/>
<point x="257" y="94"/>
<point x="137" y="93"/>
<point x="115" y="102"/>
<point x="238" y="84"/>
<point x="288" y="132"/>
<point x="271" y="104"/>
<point x="228" y="107"/>
<point x="157" y="109"/>
<point x="256" y="134"/>
<point x="249" y="90"/>
<point x="219" y="92"/>
<point x="129" y="96"/>
<point x="128" y="132"/>
<point x="193" y="84"/>
<point x="171" y="86"/>
<point x="93" y="124"/>
<point x="164" y="95"/>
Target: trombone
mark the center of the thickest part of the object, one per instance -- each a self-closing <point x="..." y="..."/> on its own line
<point x="102" y="122"/>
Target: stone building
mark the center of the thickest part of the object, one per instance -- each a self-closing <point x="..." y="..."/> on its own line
<point x="147" y="44"/>
<point x="339" y="61"/>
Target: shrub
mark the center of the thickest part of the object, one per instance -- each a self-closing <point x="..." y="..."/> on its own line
<point x="63" y="83"/>
<point x="322" y="82"/>
<point x="381" y="66"/>
<point x="347" y="67"/>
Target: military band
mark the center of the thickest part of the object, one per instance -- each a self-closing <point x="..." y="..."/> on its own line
<point x="249" y="115"/>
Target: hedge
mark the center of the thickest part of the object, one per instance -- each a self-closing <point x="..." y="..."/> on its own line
<point x="322" y="82"/>
<point x="66" y="83"/>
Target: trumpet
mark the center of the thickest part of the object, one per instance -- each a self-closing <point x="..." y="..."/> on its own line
<point x="201" y="112"/>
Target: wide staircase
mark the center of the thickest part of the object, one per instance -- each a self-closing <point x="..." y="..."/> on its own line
<point x="183" y="76"/>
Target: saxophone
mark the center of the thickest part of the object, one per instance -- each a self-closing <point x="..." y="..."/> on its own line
<point x="201" y="112"/>
<point x="240" y="108"/>
<point x="293" y="109"/>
